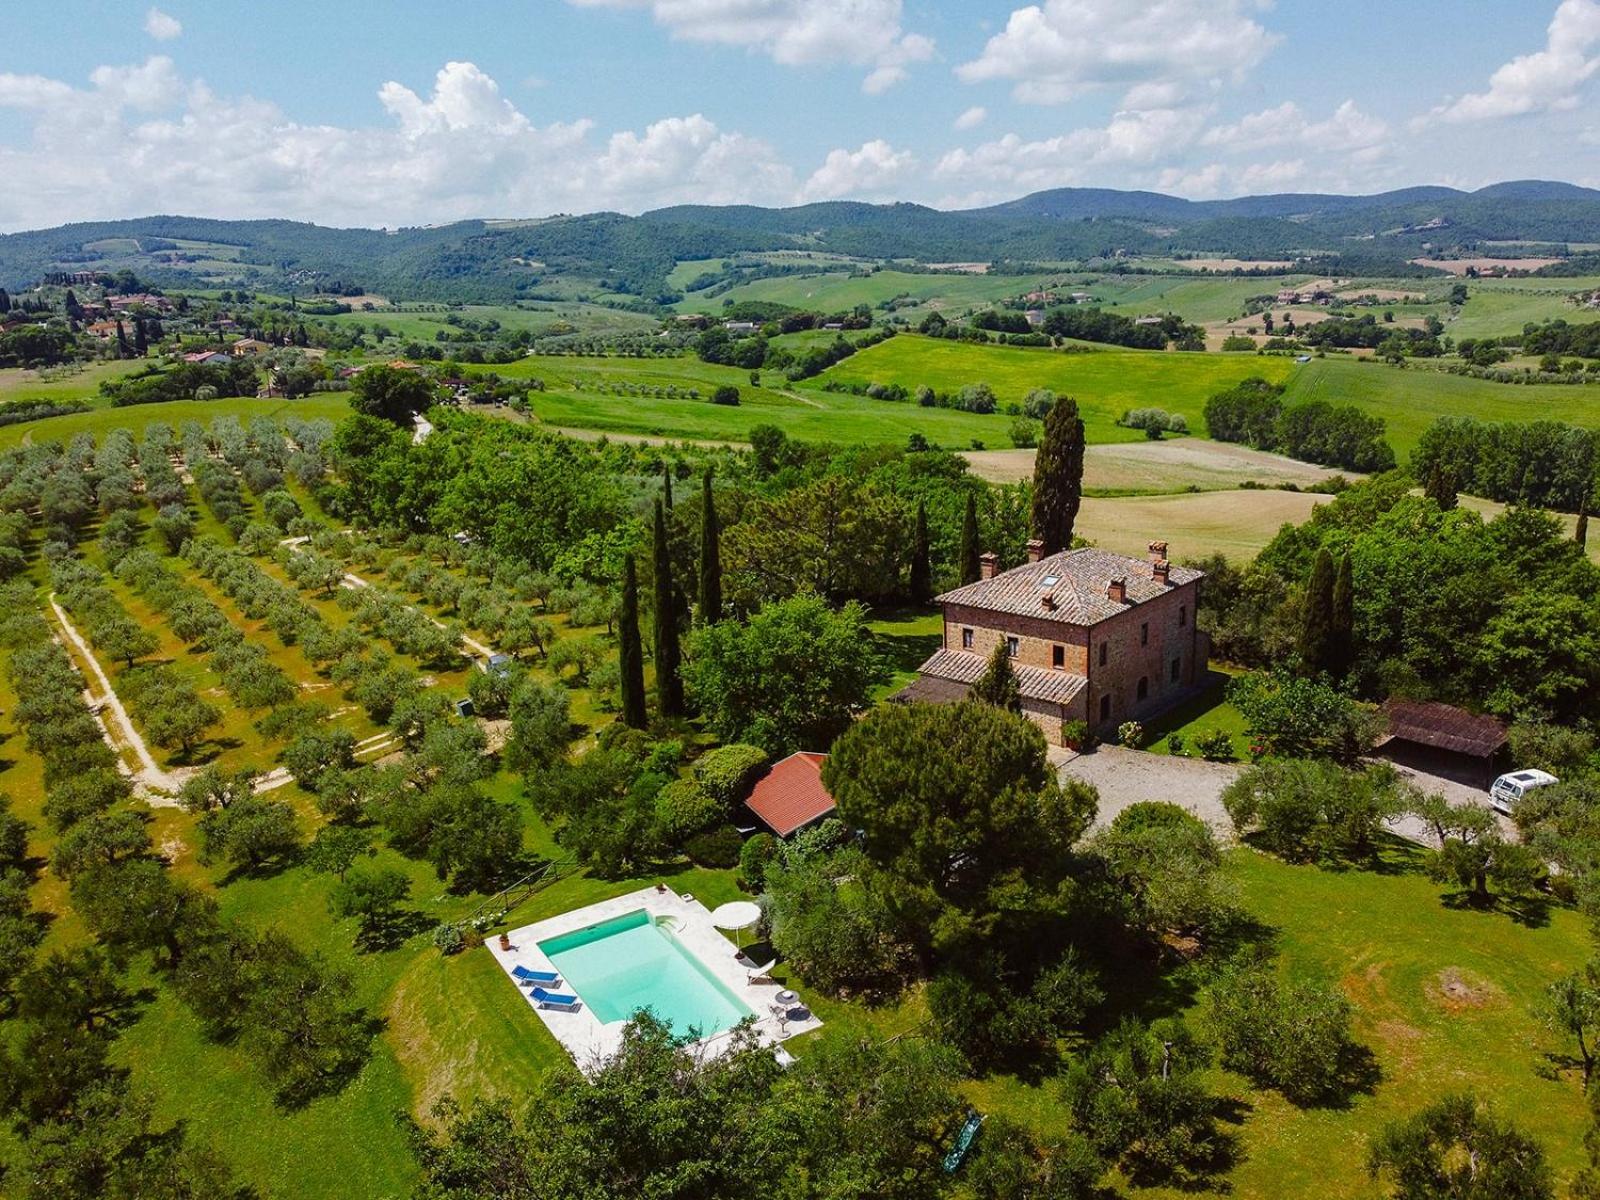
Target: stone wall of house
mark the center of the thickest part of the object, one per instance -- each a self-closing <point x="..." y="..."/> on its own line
<point x="1036" y="637"/>
<point x="1142" y="643"/>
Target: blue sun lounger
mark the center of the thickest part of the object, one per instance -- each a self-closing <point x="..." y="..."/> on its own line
<point x="555" y="999"/>
<point x="524" y="975"/>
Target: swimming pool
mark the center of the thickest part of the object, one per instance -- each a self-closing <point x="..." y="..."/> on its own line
<point x="631" y="962"/>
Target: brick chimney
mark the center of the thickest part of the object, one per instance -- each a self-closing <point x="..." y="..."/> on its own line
<point x="1161" y="572"/>
<point x="988" y="565"/>
<point x="1117" y="591"/>
<point x="1158" y="551"/>
<point x="1035" y="550"/>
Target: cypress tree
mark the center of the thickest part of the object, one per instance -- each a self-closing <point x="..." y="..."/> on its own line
<point x="122" y="341"/>
<point x="141" y="340"/>
<point x="1058" y="476"/>
<point x="1342" y="650"/>
<point x="631" y="650"/>
<point x="971" y="549"/>
<point x="998" y="683"/>
<point x="5" y="301"/>
<point x="1581" y="533"/>
<point x="1316" y="629"/>
<point x="1440" y="486"/>
<point x="710" y="555"/>
<point x="669" y="682"/>
<point x="666" y="485"/>
<point x="921" y="564"/>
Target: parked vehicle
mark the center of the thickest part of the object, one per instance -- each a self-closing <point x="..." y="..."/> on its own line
<point x="1513" y="786"/>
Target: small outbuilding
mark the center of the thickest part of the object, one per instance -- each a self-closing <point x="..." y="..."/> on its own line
<point x="790" y="796"/>
<point x="1443" y="740"/>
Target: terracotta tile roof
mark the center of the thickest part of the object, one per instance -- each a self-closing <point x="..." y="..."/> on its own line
<point x="790" y="795"/>
<point x="1035" y="683"/>
<point x="1075" y="582"/>
<point x="1444" y="727"/>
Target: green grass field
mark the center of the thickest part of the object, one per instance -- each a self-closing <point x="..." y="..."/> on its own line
<point x="1410" y="400"/>
<point x="100" y="421"/>
<point x="540" y="317"/>
<point x="573" y="399"/>
<point x="1106" y="383"/>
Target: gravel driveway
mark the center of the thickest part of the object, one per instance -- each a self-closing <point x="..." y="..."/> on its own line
<point x="1126" y="777"/>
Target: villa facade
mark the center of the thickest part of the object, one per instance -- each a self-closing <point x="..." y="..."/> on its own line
<point x="1093" y="636"/>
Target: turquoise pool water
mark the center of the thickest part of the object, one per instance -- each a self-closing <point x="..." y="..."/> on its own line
<point x="629" y="962"/>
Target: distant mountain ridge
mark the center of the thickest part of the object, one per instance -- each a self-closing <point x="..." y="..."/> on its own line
<point x="632" y="256"/>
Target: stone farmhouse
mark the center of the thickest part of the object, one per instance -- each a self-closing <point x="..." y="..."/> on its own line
<point x="1093" y="636"/>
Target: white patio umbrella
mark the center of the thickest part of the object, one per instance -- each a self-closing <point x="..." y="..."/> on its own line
<point x="736" y="915"/>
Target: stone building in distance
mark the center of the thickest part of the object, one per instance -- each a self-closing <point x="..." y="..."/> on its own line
<point x="1093" y="636"/>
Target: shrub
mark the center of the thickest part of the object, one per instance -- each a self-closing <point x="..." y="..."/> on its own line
<point x="727" y="772"/>
<point x="1215" y="745"/>
<point x="726" y="394"/>
<point x="1075" y="735"/>
<point x="1131" y="734"/>
<point x="1024" y="433"/>
<point x="754" y="856"/>
<point x="449" y="938"/>
<point x="684" y="808"/>
<point x="1176" y="743"/>
<point x="1294" y="1037"/>
<point x="719" y="847"/>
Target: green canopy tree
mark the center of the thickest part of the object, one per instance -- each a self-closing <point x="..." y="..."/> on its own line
<point x="963" y="819"/>
<point x="1058" y="476"/>
<point x="1458" y="1148"/>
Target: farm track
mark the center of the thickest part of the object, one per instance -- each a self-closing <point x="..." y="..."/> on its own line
<point x="157" y="787"/>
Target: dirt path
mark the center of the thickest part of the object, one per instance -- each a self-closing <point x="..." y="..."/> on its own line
<point x="154" y="785"/>
<point x="477" y="647"/>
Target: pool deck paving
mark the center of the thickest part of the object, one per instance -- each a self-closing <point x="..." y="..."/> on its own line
<point x="591" y="1041"/>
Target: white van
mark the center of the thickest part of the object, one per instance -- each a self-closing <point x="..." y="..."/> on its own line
<point x="1508" y="789"/>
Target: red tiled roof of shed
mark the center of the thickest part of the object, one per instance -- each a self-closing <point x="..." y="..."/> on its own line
<point x="790" y="796"/>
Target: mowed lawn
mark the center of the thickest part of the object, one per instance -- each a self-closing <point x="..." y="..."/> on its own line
<point x="1442" y="997"/>
<point x="1106" y="383"/>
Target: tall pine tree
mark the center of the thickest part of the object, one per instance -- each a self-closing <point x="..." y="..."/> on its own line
<point x="669" y="658"/>
<point x="1058" y="476"/>
<point x="1316" y="628"/>
<point x="122" y="341"/>
<point x="666" y="485"/>
<point x="1580" y="532"/>
<point x="710" y="555"/>
<point x="1341" y="650"/>
<point x="921" y="562"/>
<point x="141" y="340"/>
<point x="971" y="547"/>
<point x="631" y="649"/>
<point x="998" y="684"/>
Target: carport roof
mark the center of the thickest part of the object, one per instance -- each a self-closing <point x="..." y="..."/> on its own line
<point x="1444" y="727"/>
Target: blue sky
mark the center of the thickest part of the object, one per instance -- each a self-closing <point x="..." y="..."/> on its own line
<point x="410" y="112"/>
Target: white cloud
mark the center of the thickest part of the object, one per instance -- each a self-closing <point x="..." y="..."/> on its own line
<point x="141" y="139"/>
<point x="1136" y="138"/>
<point x="1546" y="79"/>
<point x="162" y="26"/>
<point x="861" y="33"/>
<point x="972" y="118"/>
<point x="1347" y="130"/>
<point x="876" y="170"/>
<point x="1156" y="51"/>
